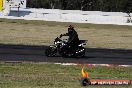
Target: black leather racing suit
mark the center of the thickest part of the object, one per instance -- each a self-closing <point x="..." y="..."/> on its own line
<point x="73" y="39"/>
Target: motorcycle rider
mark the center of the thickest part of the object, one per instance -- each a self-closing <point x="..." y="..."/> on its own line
<point x="73" y="39"/>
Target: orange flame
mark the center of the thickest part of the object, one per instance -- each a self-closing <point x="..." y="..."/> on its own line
<point x="84" y="74"/>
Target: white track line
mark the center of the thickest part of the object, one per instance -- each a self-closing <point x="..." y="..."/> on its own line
<point x="106" y="65"/>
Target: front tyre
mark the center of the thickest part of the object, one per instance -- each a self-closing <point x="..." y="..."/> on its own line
<point x="50" y="52"/>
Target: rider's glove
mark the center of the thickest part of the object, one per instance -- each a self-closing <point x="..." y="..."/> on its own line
<point x="61" y="35"/>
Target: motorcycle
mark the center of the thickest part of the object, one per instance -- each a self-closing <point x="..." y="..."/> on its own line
<point x="60" y="47"/>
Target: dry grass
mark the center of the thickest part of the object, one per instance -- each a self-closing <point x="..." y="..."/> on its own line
<point x="30" y="75"/>
<point x="43" y="33"/>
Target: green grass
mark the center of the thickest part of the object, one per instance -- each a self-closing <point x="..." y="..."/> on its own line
<point x="43" y="33"/>
<point x="36" y="75"/>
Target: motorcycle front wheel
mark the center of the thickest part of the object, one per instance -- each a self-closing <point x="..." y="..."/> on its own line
<point x="50" y="52"/>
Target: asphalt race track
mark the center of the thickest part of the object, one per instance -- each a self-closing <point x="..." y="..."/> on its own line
<point x="19" y="53"/>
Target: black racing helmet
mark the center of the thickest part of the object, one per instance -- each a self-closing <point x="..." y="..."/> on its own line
<point x="71" y="26"/>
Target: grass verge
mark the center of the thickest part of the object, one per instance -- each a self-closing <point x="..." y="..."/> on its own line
<point x="43" y="33"/>
<point x="35" y="75"/>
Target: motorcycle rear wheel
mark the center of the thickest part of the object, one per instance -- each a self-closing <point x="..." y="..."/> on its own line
<point x="82" y="53"/>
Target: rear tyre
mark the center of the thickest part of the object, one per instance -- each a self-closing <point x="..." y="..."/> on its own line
<point x="80" y="52"/>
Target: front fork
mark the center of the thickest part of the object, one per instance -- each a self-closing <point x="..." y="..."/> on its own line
<point x="54" y="49"/>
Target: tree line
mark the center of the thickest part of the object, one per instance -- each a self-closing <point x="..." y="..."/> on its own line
<point x="85" y="5"/>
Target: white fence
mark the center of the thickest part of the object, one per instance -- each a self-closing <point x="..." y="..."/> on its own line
<point x="73" y="16"/>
